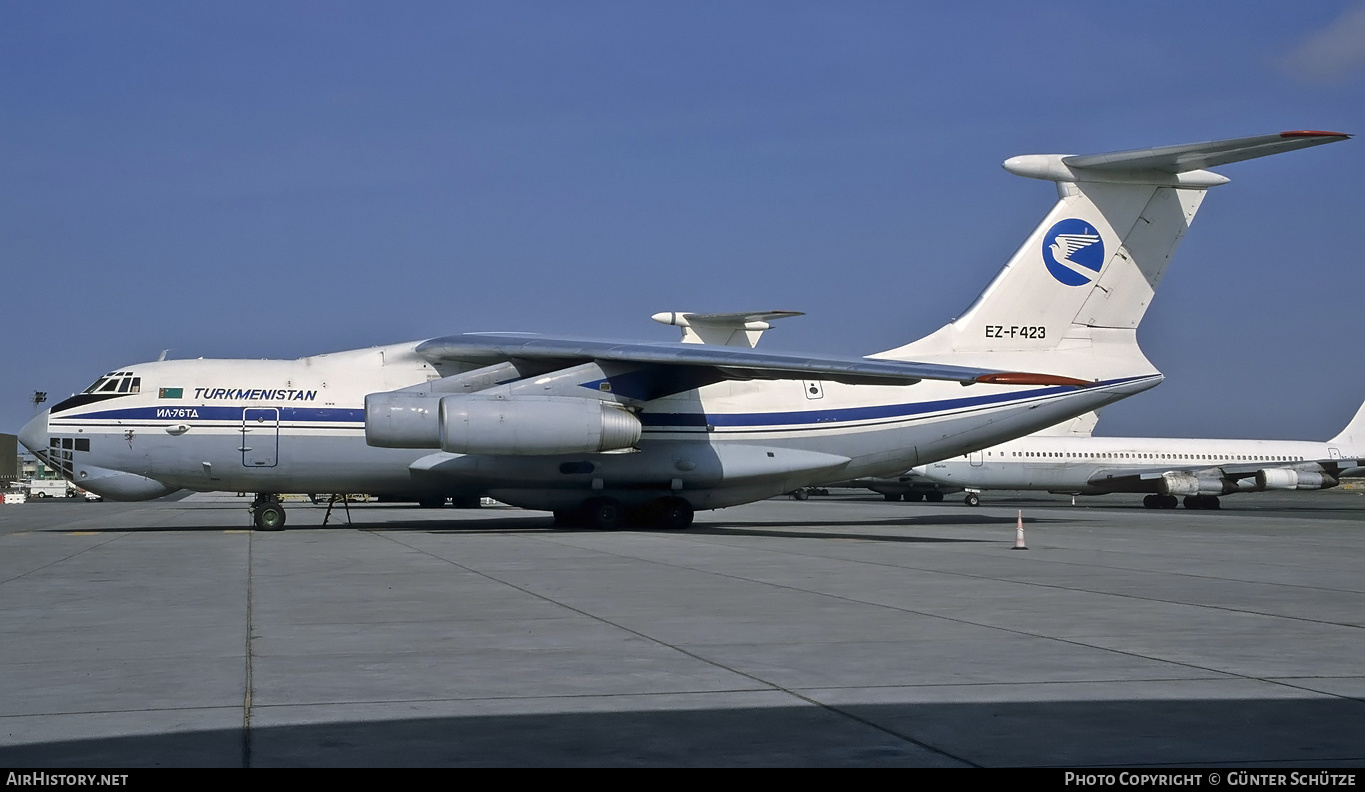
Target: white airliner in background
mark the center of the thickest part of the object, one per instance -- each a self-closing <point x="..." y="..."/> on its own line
<point x="603" y="431"/>
<point x="1067" y="460"/>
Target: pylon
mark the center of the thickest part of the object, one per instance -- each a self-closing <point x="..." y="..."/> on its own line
<point x="1019" y="533"/>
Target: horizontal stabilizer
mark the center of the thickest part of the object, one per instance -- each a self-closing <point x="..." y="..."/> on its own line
<point x="1197" y="156"/>
<point x="1175" y="166"/>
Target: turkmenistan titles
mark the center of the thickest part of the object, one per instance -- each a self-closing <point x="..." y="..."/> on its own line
<point x="256" y="394"/>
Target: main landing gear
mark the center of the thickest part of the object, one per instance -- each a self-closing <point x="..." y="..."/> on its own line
<point x="266" y="512"/>
<point x="1170" y="501"/>
<point x="1201" y="502"/>
<point x="608" y="514"/>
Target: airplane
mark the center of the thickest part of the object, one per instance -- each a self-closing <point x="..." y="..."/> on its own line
<point x="605" y="433"/>
<point x="1068" y="460"/>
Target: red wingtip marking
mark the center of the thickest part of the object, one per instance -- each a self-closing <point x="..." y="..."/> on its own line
<point x="1025" y="378"/>
<point x="1312" y="133"/>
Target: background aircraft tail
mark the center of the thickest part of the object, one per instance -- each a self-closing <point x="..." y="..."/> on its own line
<point x="1070" y="300"/>
<point x="1354" y="433"/>
<point x="1081" y="426"/>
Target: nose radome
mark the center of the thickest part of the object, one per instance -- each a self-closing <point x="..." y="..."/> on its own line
<point x="34" y="433"/>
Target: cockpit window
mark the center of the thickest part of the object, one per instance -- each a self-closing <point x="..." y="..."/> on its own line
<point x="116" y="382"/>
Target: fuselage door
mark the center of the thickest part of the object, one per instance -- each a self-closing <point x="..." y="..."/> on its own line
<point x="1334" y="453"/>
<point x="975" y="458"/>
<point x="260" y="436"/>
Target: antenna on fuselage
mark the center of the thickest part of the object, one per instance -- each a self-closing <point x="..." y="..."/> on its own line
<point x="162" y="356"/>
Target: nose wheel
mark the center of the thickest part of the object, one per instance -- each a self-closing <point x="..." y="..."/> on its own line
<point x="266" y="512"/>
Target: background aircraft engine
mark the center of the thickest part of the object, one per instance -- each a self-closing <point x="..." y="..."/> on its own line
<point x="534" y="425"/>
<point x="1285" y="478"/>
<point x="1181" y="483"/>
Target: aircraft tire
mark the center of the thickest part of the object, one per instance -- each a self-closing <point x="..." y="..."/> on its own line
<point x="604" y="514"/>
<point x="934" y="496"/>
<point x="1169" y="501"/>
<point x="567" y="518"/>
<point x="432" y="503"/>
<point x="672" y="513"/>
<point x="1201" y="502"/>
<point x="891" y="496"/>
<point x="269" y="516"/>
<point x="800" y="494"/>
<point x="1153" y="502"/>
<point x="972" y="499"/>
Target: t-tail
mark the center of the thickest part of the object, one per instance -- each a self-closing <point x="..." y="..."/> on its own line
<point x="1070" y="300"/>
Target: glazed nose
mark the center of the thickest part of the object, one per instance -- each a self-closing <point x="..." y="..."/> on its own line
<point x="34" y="433"/>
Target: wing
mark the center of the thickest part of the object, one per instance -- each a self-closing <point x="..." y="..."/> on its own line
<point x="700" y="363"/>
<point x="1137" y="479"/>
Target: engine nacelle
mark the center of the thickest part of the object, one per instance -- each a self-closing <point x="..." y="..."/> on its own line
<point x="1289" y="479"/>
<point x="534" y="425"/>
<point x="402" y="419"/>
<point x="1182" y="483"/>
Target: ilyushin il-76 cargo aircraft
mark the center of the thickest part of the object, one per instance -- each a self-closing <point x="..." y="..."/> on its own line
<point x="606" y="432"/>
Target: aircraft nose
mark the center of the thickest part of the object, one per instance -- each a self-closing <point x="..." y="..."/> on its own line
<point x="34" y="433"/>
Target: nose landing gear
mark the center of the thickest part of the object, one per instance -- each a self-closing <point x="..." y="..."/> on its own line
<point x="266" y="512"/>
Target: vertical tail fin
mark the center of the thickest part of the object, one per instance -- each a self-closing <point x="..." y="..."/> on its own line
<point x="1080" y="426"/>
<point x="1070" y="300"/>
<point x="1354" y="433"/>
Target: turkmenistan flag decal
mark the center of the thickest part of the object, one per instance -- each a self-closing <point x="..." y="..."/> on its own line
<point x="170" y="393"/>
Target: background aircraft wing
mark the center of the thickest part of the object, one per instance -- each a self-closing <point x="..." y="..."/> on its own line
<point x="1127" y="476"/>
<point x="483" y="349"/>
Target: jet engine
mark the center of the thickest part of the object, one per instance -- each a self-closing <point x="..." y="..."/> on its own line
<point x="534" y="425"/>
<point x="402" y="419"/>
<point x="1182" y="483"/>
<point x="1289" y="479"/>
<point x="481" y="424"/>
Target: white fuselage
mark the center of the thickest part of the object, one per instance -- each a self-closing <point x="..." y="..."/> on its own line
<point x="1082" y="465"/>
<point x="299" y="426"/>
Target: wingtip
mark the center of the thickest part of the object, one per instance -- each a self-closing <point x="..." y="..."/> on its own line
<point x="1028" y="378"/>
<point x="1297" y="133"/>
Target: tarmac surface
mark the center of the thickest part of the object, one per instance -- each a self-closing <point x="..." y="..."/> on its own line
<point x="837" y="631"/>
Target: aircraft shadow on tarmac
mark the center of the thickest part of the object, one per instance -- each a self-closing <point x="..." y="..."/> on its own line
<point x="1299" y="733"/>
<point x="544" y="524"/>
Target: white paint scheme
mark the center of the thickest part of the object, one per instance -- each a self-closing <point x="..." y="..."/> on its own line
<point x="720" y="427"/>
<point x="1079" y="464"/>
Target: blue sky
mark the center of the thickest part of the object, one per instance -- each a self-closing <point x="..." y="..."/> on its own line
<point x="288" y="178"/>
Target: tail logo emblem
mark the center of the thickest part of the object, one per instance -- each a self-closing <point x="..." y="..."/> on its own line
<point x="1073" y="252"/>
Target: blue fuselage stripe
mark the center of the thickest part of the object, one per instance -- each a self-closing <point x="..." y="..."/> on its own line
<point x="305" y="415"/>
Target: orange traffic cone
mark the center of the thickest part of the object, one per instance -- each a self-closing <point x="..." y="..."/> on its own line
<point x="1019" y="534"/>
